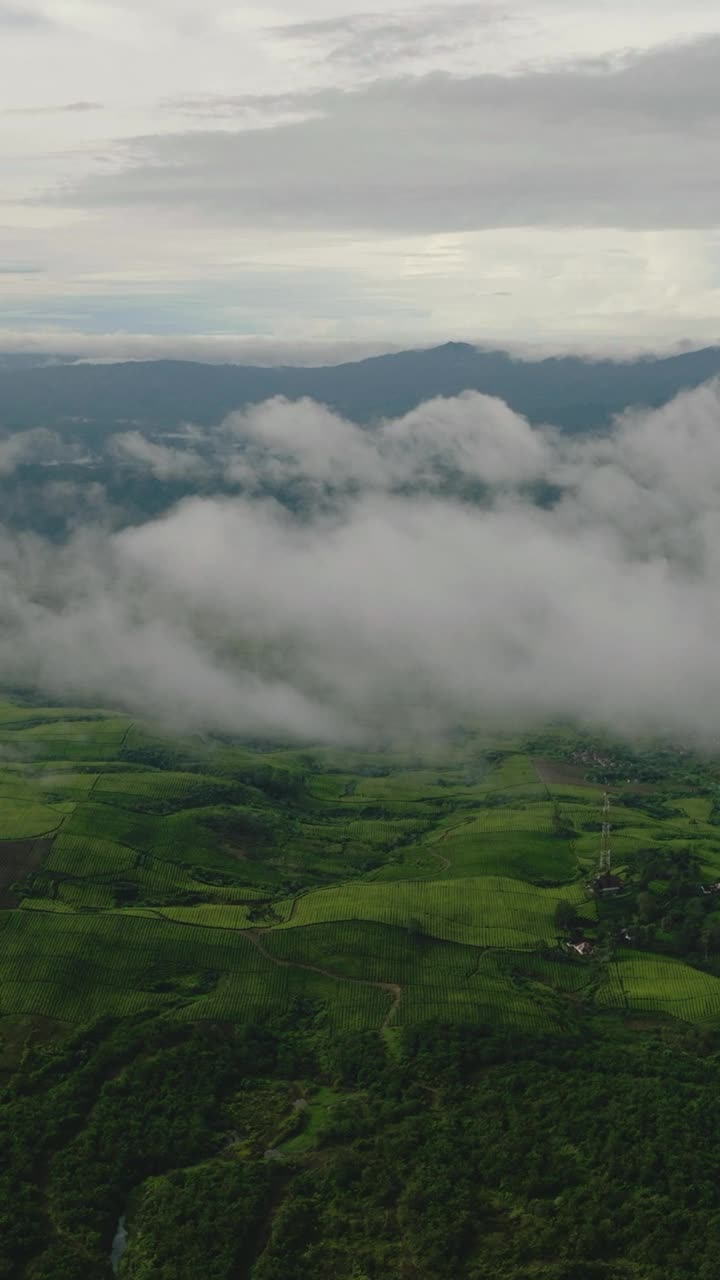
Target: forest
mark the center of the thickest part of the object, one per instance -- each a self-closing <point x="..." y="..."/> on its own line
<point x="350" y="1014"/>
<point x="281" y="1152"/>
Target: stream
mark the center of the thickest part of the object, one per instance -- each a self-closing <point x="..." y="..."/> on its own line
<point x="119" y="1245"/>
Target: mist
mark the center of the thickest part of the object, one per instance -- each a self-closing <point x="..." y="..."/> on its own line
<point x="581" y="579"/>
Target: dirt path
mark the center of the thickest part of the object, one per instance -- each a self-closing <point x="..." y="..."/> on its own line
<point x="444" y="862"/>
<point x="391" y="988"/>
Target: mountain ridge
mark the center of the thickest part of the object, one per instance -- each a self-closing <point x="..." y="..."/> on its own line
<point x="570" y="392"/>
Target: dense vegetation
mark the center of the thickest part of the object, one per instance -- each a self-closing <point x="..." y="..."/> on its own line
<point x="282" y="1153"/>
<point x="296" y="1013"/>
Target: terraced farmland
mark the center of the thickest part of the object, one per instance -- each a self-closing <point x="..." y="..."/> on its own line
<point x="217" y="880"/>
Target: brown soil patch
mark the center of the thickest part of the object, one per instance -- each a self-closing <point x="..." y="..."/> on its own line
<point x="559" y="771"/>
<point x="17" y="858"/>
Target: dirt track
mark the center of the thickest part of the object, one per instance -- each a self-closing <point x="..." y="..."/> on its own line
<point x="392" y="988"/>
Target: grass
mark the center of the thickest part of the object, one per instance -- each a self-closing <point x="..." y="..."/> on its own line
<point x="313" y="1117"/>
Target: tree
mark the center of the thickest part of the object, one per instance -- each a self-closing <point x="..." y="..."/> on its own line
<point x="565" y="916"/>
<point x="710" y="936"/>
<point x="561" y="825"/>
<point x="648" y="907"/>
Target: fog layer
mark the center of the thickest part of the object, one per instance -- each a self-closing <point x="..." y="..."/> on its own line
<point x="453" y="564"/>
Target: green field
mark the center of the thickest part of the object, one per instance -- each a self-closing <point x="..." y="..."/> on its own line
<point x="220" y="880"/>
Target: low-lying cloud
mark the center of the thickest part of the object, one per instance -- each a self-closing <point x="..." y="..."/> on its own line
<point x="460" y="565"/>
<point x="163" y="461"/>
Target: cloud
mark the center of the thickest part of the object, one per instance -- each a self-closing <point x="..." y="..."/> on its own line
<point x="602" y="144"/>
<point x="163" y="461"/>
<point x="22" y="18"/>
<point x="268" y="352"/>
<point x="26" y="446"/>
<point x="61" y="108"/>
<point x="401" y="608"/>
<point x="471" y="436"/>
<point x="376" y="41"/>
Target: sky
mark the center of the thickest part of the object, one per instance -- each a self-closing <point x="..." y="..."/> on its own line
<point x="299" y="173"/>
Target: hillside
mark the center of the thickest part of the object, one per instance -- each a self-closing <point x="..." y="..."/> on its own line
<point x="269" y="1012"/>
<point x="569" y="392"/>
<point x="226" y="881"/>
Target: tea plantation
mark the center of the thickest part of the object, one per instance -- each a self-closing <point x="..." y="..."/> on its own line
<point x="219" y="879"/>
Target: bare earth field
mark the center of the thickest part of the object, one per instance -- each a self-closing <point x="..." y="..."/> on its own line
<point x="17" y="859"/>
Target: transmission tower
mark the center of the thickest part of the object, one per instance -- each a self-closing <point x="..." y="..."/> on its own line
<point x="605" y="856"/>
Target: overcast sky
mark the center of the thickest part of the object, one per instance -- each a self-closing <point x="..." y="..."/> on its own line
<point x="304" y="170"/>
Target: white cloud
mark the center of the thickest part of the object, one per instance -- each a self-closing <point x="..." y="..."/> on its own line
<point x="488" y="117"/>
<point x="471" y="435"/>
<point x="163" y="461"/>
<point x="402" y="610"/>
<point x="25" y="446"/>
<point x="582" y="146"/>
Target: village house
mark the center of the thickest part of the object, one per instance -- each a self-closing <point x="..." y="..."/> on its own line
<point x="607" y="883"/>
<point x="581" y="947"/>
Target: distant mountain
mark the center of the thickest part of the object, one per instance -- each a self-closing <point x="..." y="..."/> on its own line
<point x="572" y="393"/>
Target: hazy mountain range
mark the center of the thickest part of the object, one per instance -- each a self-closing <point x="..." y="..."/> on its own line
<point x="569" y="392"/>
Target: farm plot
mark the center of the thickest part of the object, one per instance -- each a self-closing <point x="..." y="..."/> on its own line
<point x="346" y="1005"/>
<point x="180" y="837"/>
<point x="697" y="808"/>
<point x="136" y="875"/>
<point x="415" y="862"/>
<point x="386" y="834"/>
<point x="569" y="793"/>
<point x="137" y="831"/>
<point x="22" y="819"/>
<point x="372" y="952"/>
<point x="404" y="788"/>
<point x="654" y="983"/>
<point x="82" y="856"/>
<point x="110" y="963"/>
<point x="67" y="739"/>
<point x="330" y="787"/>
<point x="222" y="916"/>
<point x="84" y="894"/>
<point x="489" y="911"/>
<point x="561" y="974"/>
<point x="18" y="784"/>
<point x="510" y="772"/>
<point x="486" y="996"/>
<point x="523" y="855"/>
<point x="164" y="790"/>
<point x="74" y="967"/>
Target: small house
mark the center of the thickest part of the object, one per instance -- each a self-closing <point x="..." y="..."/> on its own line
<point x="607" y="883"/>
<point x="581" y="947"/>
